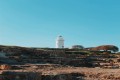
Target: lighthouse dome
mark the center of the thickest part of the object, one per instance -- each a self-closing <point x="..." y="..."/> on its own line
<point x="60" y="38"/>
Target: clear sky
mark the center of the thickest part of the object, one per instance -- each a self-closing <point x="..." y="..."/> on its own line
<point x="37" y="23"/>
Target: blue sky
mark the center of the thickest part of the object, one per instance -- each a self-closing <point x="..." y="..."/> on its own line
<point x="37" y="23"/>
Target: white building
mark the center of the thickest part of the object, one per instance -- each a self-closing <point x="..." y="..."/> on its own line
<point x="59" y="42"/>
<point x="77" y="47"/>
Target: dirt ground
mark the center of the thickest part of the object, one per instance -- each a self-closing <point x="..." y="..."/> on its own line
<point x="90" y="73"/>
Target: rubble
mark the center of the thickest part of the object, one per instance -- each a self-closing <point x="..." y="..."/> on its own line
<point x="5" y="67"/>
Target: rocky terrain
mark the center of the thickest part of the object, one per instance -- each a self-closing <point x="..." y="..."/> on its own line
<point x="96" y="63"/>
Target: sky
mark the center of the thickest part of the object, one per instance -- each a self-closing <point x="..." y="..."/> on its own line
<point x="37" y="23"/>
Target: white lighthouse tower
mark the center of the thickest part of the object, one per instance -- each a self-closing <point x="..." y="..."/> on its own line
<point x="59" y="42"/>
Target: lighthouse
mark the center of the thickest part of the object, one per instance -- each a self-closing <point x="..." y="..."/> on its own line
<point x="59" y="42"/>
